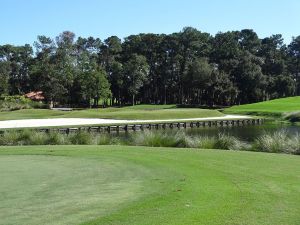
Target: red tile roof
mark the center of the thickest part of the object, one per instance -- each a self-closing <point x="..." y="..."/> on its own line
<point x="35" y="95"/>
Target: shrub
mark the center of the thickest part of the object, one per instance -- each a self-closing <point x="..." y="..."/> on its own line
<point x="222" y="141"/>
<point x="158" y="139"/>
<point x="105" y="139"/>
<point x="9" y="138"/>
<point x="117" y="141"/>
<point x="56" y="139"/>
<point x="203" y="142"/>
<point x="81" y="138"/>
<point x="241" y="145"/>
<point x="38" y="105"/>
<point x="15" y="137"/>
<point x="226" y="142"/>
<point x="294" y="145"/>
<point x="10" y="103"/>
<point x="276" y="142"/>
<point x="25" y="137"/>
<point x="38" y="138"/>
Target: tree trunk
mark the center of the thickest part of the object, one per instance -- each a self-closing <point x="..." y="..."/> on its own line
<point x="133" y="99"/>
<point x="119" y="97"/>
<point x="165" y="100"/>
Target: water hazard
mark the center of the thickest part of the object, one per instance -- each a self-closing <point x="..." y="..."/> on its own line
<point x="246" y="133"/>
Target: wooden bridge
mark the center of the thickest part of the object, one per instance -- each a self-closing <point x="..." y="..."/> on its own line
<point x="155" y="126"/>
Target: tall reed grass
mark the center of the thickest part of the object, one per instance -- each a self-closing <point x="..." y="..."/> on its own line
<point x="278" y="142"/>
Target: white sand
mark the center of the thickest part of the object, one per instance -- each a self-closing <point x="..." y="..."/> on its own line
<point x="86" y="121"/>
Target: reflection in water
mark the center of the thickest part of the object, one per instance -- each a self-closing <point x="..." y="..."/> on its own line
<point x="246" y="133"/>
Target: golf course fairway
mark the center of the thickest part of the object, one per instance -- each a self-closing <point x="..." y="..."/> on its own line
<point x="89" y="185"/>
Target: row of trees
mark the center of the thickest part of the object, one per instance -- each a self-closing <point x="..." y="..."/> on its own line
<point x="188" y="67"/>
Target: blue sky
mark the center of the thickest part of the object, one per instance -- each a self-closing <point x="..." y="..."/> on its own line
<point x="23" y="20"/>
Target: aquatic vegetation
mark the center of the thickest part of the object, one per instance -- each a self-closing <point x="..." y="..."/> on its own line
<point x="276" y="142"/>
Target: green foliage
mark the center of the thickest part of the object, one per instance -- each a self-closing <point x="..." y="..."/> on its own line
<point x="29" y="137"/>
<point x="94" y="85"/>
<point x="103" y="139"/>
<point x="55" y="138"/>
<point x="103" y="89"/>
<point x="227" y="142"/>
<point x="294" y="144"/>
<point x="203" y="142"/>
<point x="278" y="142"/>
<point x="10" y="103"/>
<point x="14" y="69"/>
<point x="274" y="142"/>
<point x="222" y="89"/>
<point x="186" y="67"/>
<point x="159" y="139"/>
<point x="4" y="77"/>
<point x="107" y="139"/>
<point x="136" y="71"/>
<point x="81" y="138"/>
<point x="40" y="138"/>
<point x="10" y="138"/>
<point x="181" y="139"/>
<point x="250" y="79"/>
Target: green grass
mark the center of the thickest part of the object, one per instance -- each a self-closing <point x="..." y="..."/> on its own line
<point x="150" y="107"/>
<point x="131" y="112"/>
<point x="275" y="108"/>
<point x="119" y="185"/>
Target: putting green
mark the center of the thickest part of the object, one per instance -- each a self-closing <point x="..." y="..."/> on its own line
<point x="64" y="190"/>
<point x="121" y="185"/>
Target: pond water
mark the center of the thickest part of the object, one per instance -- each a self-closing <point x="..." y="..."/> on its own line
<point x="246" y="133"/>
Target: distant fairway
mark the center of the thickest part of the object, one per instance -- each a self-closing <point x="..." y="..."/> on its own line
<point x="274" y="107"/>
<point x="89" y="185"/>
<point x="132" y="112"/>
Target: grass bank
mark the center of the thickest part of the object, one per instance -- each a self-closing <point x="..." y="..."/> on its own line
<point x="132" y="112"/>
<point x="272" y="108"/>
<point x="115" y="185"/>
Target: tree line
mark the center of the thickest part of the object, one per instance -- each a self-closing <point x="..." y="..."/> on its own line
<point x="187" y="67"/>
